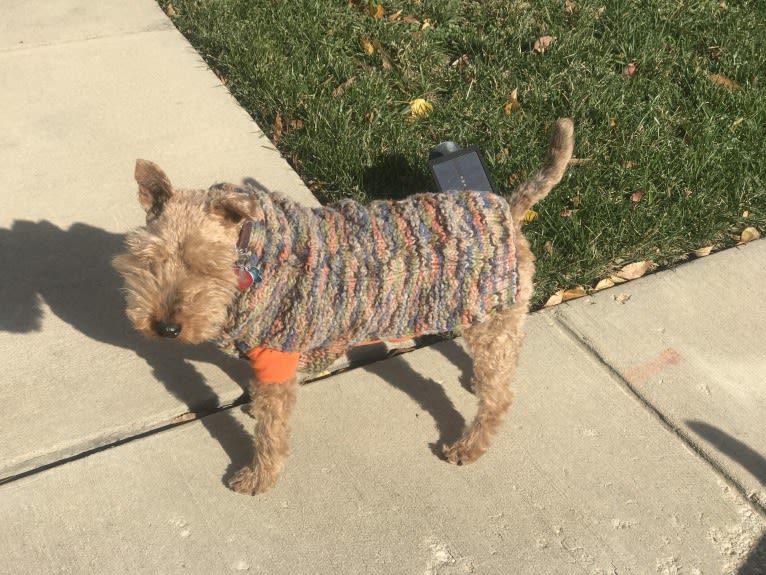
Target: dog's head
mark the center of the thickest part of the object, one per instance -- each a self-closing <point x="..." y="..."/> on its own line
<point x="179" y="268"/>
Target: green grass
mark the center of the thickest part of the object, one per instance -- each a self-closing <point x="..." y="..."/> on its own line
<point x="694" y="147"/>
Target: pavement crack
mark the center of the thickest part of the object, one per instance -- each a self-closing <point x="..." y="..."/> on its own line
<point x="586" y="345"/>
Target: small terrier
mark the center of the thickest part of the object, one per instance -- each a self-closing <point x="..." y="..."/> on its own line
<point x="293" y="288"/>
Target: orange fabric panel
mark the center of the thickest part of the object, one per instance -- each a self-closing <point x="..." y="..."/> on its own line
<point x="273" y="366"/>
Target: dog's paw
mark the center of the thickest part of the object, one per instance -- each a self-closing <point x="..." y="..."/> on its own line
<point x="251" y="481"/>
<point x="461" y="452"/>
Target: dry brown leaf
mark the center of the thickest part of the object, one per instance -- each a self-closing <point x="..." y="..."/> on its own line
<point x="426" y="24"/>
<point x="702" y="252"/>
<point x="579" y="161"/>
<point x="622" y="297"/>
<point x="395" y="16"/>
<point x="634" y="270"/>
<point x="276" y="133"/>
<point x="569" y="6"/>
<point x="573" y="293"/>
<point x="530" y="216"/>
<point x="384" y="59"/>
<point x="501" y="155"/>
<point x="411" y="19"/>
<point x="566" y="213"/>
<point x="516" y="177"/>
<point x="295" y="124"/>
<point x="749" y="234"/>
<point x="367" y="46"/>
<point x="723" y="81"/>
<point x="343" y="87"/>
<point x="555" y="299"/>
<point x="513" y="102"/>
<point x="635" y="197"/>
<point x="629" y="71"/>
<point x="603" y="284"/>
<point x="542" y="43"/>
<point x="170" y="11"/>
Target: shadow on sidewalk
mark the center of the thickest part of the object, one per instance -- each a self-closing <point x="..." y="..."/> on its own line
<point x="70" y="271"/>
<point x="755" y="463"/>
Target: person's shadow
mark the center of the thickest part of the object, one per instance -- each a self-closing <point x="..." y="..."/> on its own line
<point x="70" y="270"/>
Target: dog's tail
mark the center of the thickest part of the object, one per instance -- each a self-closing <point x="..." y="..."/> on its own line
<point x="542" y="182"/>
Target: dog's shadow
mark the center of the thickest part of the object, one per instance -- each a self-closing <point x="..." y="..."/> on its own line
<point x="70" y="271"/>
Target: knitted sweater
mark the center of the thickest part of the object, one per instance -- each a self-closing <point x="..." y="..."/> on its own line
<point x="330" y="278"/>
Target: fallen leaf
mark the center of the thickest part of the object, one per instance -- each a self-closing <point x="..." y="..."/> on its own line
<point x="426" y="24"/>
<point x="276" y="133"/>
<point x="548" y="247"/>
<point x="542" y="43"/>
<point x="395" y="16"/>
<point x="343" y="87"/>
<point x="749" y="234"/>
<point x="622" y="298"/>
<point x="295" y="124"/>
<point x="613" y="123"/>
<point x="600" y="11"/>
<point x="723" y="5"/>
<point x="634" y="270"/>
<point x="367" y="46"/>
<point x="420" y="108"/>
<point x="579" y="161"/>
<point x="384" y="59"/>
<point x="375" y="9"/>
<point x="627" y="164"/>
<point x="569" y="6"/>
<point x="702" y="252"/>
<point x="555" y="299"/>
<point x="170" y="11"/>
<point x="411" y="19"/>
<point x="635" y="197"/>
<point x="737" y="122"/>
<point x="516" y="177"/>
<point x="746" y="214"/>
<point x="566" y="213"/>
<point x="573" y="293"/>
<point x="723" y="81"/>
<point x="501" y="155"/>
<point x="530" y="216"/>
<point x="629" y="72"/>
<point x="370" y="116"/>
<point x="513" y="102"/>
<point x="603" y="284"/>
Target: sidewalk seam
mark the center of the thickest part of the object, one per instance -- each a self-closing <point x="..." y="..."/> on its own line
<point x="585" y="344"/>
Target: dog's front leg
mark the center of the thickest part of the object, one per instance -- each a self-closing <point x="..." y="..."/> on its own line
<point x="271" y="407"/>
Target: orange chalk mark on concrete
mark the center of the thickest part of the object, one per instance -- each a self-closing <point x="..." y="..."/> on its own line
<point x="666" y="358"/>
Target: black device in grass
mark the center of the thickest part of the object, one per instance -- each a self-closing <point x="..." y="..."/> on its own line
<point x="459" y="169"/>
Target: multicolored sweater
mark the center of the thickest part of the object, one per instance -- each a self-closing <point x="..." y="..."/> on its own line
<point x="330" y="278"/>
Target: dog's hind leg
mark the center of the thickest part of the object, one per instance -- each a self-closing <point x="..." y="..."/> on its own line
<point x="494" y="347"/>
<point x="271" y="406"/>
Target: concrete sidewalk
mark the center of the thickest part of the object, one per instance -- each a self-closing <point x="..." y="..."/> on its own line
<point x="635" y="444"/>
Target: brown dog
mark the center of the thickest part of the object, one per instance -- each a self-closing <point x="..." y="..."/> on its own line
<point x="292" y="288"/>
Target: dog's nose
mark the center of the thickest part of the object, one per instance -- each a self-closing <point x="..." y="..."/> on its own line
<point x="167" y="329"/>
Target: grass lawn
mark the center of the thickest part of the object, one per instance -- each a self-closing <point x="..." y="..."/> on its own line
<point x="667" y="98"/>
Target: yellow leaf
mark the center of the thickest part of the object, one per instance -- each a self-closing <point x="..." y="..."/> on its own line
<point x="542" y="43"/>
<point x="513" y="102"/>
<point x="555" y="299"/>
<point x="420" y="107"/>
<point x="367" y="46"/>
<point x="375" y="9"/>
<point x="749" y="234"/>
<point x="634" y="270"/>
<point x="603" y="284"/>
<point x="530" y="216"/>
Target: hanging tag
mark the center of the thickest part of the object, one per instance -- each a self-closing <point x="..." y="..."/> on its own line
<point x="245" y="279"/>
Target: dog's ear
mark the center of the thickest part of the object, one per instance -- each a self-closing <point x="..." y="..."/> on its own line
<point x="233" y="207"/>
<point x="154" y="188"/>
